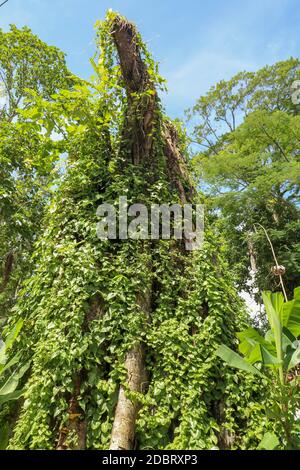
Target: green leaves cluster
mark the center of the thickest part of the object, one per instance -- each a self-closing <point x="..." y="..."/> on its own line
<point x="11" y="372"/>
<point x="9" y="385"/>
<point x="27" y="63"/>
<point x="28" y="152"/>
<point x="278" y="354"/>
<point x="248" y="132"/>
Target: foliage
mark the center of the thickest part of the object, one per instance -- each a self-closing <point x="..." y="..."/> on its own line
<point x="11" y="372"/>
<point x="82" y="309"/>
<point x="248" y="130"/>
<point x="28" y="153"/>
<point x="27" y="63"/>
<point x="275" y="357"/>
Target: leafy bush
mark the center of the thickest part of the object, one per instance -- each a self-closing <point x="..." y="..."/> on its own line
<point x="274" y="357"/>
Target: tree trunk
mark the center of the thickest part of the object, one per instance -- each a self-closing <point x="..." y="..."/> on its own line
<point x="8" y="266"/>
<point x="252" y="254"/>
<point x="123" y="432"/>
<point x="138" y="143"/>
<point x="77" y="423"/>
<point x="137" y="135"/>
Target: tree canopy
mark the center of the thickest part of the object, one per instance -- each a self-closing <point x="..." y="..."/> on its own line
<point x="248" y="132"/>
<point x="27" y="151"/>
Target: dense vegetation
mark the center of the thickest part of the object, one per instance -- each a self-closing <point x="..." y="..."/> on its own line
<point x="248" y="132"/>
<point x="121" y="344"/>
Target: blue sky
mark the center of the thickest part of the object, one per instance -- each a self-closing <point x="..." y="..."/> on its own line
<point x="197" y="42"/>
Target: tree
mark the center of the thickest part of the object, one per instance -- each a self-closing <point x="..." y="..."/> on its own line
<point x="27" y="63"/>
<point x="27" y="150"/>
<point x="123" y="333"/>
<point x="249" y="132"/>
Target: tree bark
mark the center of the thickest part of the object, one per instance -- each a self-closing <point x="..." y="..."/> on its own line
<point x="176" y="165"/>
<point x="138" y="126"/>
<point x="252" y="254"/>
<point x="76" y="424"/>
<point x="123" y="432"/>
<point x="8" y="266"/>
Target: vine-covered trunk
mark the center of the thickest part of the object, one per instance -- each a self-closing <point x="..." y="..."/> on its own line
<point x="138" y="135"/>
<point x="122" y="333"/>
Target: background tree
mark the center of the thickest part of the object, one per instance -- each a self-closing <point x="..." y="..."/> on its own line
<point x="27" y="63"/>
<point x="248" y="131"/>
<point x="27" y="150"/>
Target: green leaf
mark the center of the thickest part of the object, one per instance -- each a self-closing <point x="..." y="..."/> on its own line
<point x="268" y="358"/>
<point x="14" y="360"/>
<point x="248" y="340"/>
<point x="19" y="374"/>
<point x="271" y="301"/>
<point x="295" y="359"/>
<point x="12" y="382"/>
<point x="269" y="442"/>
<point x="288" y="339"/>
<point x="269" y="336"/>
<point x="13" y="334"/>
<point x="291" y="314"/>
<point x="234" y="360"/>
<point x="11" y="396"/>
<point x="274" y="412"/>
<point x="4" y="433"/>
<point x="256" y="349"/>
<point x="277" y="300"/>
<point x="9" y="386"/>
<point x="3" y="357"/>
<point x="255" y="355"/>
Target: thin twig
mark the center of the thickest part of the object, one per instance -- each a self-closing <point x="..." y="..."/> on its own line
<point x="3" y="3"/>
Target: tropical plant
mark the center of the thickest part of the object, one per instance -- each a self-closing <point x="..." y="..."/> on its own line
<point x="274" y="358"/>
<point x="246" y="134"/>
<point x="11" y="372"/>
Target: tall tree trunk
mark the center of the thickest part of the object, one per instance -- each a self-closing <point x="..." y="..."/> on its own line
<point x="137" y="140"/>
<point x="137" y="136"/>
<point x="123" y="432"/>
<point x="138" y="143"/>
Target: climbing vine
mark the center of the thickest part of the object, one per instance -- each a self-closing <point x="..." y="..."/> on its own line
<point x="84" y="307"/>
